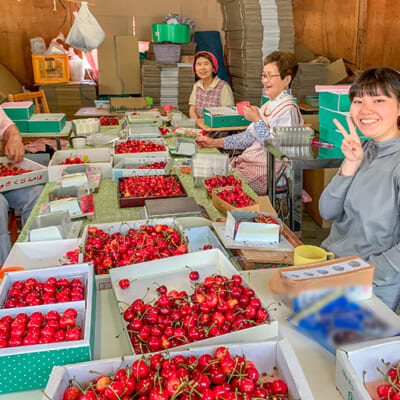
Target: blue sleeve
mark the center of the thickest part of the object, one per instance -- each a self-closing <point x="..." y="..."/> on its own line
<point x="245" y="139"/>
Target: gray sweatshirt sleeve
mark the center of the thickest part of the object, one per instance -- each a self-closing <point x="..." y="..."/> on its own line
<point x="332" y="198"/>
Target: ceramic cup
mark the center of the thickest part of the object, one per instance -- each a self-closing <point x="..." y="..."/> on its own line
<point x="167" y="107"/>
<point x="78" y="142"/>
<point x="239" y="106"/>
<point x="310" y="254"/>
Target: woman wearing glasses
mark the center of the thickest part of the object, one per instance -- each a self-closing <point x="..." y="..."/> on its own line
<point x="279" y="70"/>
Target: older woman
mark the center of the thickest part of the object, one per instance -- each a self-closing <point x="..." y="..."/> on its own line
<point x="279" y="70"/>
<point x="209" y="90"/>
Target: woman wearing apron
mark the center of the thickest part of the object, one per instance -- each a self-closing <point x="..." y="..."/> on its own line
<point x="279" y="70"/>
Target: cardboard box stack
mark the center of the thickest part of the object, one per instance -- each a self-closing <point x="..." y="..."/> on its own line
<point x="168" y="83"/>
<point x="70" y="97"/>
<point x="254" y="29"/>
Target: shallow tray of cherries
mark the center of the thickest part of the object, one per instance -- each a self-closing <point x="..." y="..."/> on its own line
<point x="109" y="121"/>
<point x="138" y="146"/>
<point x="220" y="376"/>
<point x="34" y="293"/>
<point x="218" y="181"/>
<point x="39" y="329"/>
<point x="137" y="245"/>
<point x="390" y="387"/>
<point x="150" y="185"/>
<point x="217" y="306"/>
<point x="155" y="165"/>
<point x="236" y="197"/>
<point x="11" y="170"/>
<point x="72" y="161"/>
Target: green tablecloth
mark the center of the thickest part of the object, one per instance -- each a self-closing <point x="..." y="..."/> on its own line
<point x="106" y="201"/>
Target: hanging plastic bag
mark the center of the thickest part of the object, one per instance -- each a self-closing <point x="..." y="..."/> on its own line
<point x="86" y="33"/>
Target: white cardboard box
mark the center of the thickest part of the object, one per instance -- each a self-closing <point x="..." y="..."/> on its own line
<point x="265" y="355"/>
<point x="129" y="167"/>
<point x="98" y="159"/>
<point x="353" y="361"/>
<point x="154" y="154"/>
<point x="38" y="176"/>
<point x="34" y="255"/>
<point x="248" y="231"/>
<point x="38" y="360"/>
<point x="173" y="272"/>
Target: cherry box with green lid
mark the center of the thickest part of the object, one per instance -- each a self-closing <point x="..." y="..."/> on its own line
<point x="218" y="117"/>
<point x="51" y="122"/>
<point x="174" y="33"/>
<point x="18" y="110"/>
<point x="335" y="101"/>
<point x="28" y="367"/>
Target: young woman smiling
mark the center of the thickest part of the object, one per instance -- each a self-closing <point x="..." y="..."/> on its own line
<point x="363" y="199"/>
<point x="279" y="70"/>
<point x="209" y="90"/>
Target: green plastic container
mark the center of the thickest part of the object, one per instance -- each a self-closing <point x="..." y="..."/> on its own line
<point x="22" y="125"/>
<point x="219" y="121"/>
<point x="174" y="33"/>
<point x="49" y="123"/>
<point x="18" y="110"/>
<point x="334" y="101"/>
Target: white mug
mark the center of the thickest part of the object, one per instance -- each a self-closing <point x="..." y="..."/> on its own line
<point x="78" y="142"/>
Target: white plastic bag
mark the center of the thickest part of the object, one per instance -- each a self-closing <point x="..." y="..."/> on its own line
<point x="86" y="33"/>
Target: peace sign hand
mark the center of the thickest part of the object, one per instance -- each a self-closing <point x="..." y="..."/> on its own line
<point x="351" y="148"/>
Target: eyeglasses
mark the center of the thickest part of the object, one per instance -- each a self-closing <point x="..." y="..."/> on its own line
<point x="268" y="76"/>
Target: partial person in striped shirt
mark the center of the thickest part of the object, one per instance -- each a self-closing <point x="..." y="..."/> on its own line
<point x="281" y="110"/>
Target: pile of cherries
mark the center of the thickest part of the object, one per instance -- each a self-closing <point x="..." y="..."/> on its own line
<point x="72" y="160"/>
<point x="220" y="376"/>
<point x="39" y="329"/>
<point x="218" y="181"/>
<point x="151" y="185"/>
<point x="109" y="121"/>
<point x="137" y="245"/>
<point x="265" y="219"/>
<point x="34" y="293"/>
<point x="235" y="197"/>
<point x="217" y="306"/>
<point x="390" y="389"/>
<point x="155" y="165"/>
<point x="11" y="170"/>
<point x="138" y="146"/>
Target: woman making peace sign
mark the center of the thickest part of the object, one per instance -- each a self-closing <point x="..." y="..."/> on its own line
<point x="363" y="199"/>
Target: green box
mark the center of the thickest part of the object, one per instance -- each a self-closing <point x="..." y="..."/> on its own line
<point x="50" y="123"/>
<point x="18" y="110"/>
<point x="29" y="367"/>
<point x="333" y="136"/>
<point x="22" y="125"/>
<point x="174" y="33"/>
<point x="326" y="119"/>
<point x="218" y="117"/>
<point x="334" y="101"/>
<point x="330" y="153"/>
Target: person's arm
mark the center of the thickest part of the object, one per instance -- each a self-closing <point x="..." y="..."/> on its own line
<point x="193" y="113"/>
<point x="239" y="141"/>
<point x="226" y="99"/>
<point x="206" y="141"/>
<point x="14" y="147"/>
<point x="332" y="198"/>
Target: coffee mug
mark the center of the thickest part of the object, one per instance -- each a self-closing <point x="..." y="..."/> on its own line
<point x="307" y="254"/>
<point x="78" y="142"/>
<point x="167" y="107"/>
<point x="239" y="106"/>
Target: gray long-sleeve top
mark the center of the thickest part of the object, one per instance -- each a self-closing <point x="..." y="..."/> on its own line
<point x="366" y="209"/>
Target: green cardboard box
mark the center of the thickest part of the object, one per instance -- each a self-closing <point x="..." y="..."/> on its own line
<point x="51" y="123"/>
<point x="175" y="33"/>
<point x="28" y="367"/>
<point x="18" y="110"/>
<point x="326" y="119"/>
<point x="334" y="101"/>
<point x="22" y="125"/>
<point x="218" y="117"/>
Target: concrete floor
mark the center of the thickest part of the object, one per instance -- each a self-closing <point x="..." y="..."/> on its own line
<point x="312" y="233"/>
